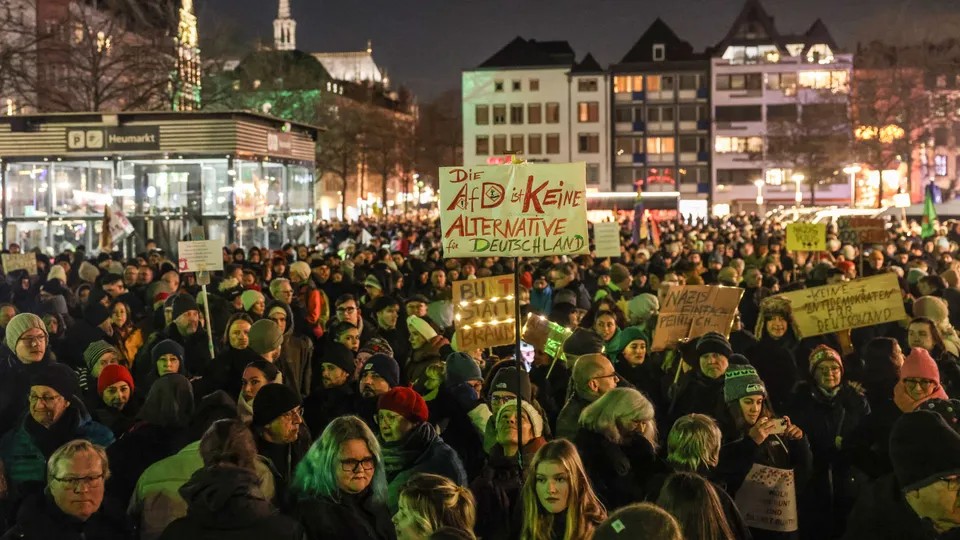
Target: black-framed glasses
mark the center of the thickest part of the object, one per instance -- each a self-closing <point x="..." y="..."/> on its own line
<point x="47" y="400"/>
<point x="354" y="465"/>
<point x="616" y="378"/>
<point x="924" y="384"/>
<point x="75" y="483"/>
<point x="293" y="414"/>
<point x="30" y="340"/>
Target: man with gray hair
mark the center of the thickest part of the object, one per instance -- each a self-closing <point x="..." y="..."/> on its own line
<point x="73" y="507"/>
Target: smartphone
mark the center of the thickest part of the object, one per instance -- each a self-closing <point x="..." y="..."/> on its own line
<point x="779" y="426"/>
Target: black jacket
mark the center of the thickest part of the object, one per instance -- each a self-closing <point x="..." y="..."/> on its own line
<point x="618" y="473"/>
<point x="349" y="517"/>
<point x="323" y="405"/>
<point x="881" y="513"/>
<point x="775" y="364"/>
<point x="226" y="503"/>
<point x="15" y="387"/>
<point x="39" y="518"/>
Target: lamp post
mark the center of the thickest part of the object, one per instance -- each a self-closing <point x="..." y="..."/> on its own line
<point x="798" y="179"/>
<point x="852" y="170"/>
<point x="759" y="183"/>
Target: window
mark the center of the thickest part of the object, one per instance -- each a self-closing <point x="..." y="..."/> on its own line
<point x="534" y="144"/>
<point x="660" y="145"/>
<point x="499" y="115"/>
<point x="738" y="145"/>
<point x="659" y="52"/>
<point x="516" y="144"/>
<point x="517" y="86"/>
<point x="587" y="85"/>
<point x="739" y="113"/>
<point x="499" y="144"/>
<point x="534" y="85"/>
<point x="694" y="175"/>
<point x="553" y="112"/>
<point x="738" y="176"/>
<point x="593" y="173"/>
<point x="628" y="145"/>
<point x="662" y="176"/>
<point x="740" y="81"/>
<point x="588" y="111"/>
<point x="781" y="113"/>
<point x="660" y="114"/>
<point x="787" y="82"/>
<point x="588" y="143"/>
<point x="668" y="82"/>
<point x="553" y="143"/>
<point x="653" y="83"/>
<point x="625" y="114"/>
<point x="835" y="81"/>
<point x="693" y="113"/>
<point x="940" y="164"/>
<point x="693" y="144"/>
<point x="483" y="115"/>
<point x="498" y="86"/>
<point x="690" y="82"/>
<point x="534" y="113"/>
<point x="483" y="145"/>
<point x="627" y="176"/>
<point x="625" y="84"/>
<point x="516" y="113"/>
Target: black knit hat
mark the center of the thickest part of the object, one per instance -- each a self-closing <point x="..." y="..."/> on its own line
<point x="714" y="342"/>
<point x="273" y="400"/>
<point x="95" y="313"/>
<point x="183" y="303"/>
<point x="339" y="355"/>
<point x="59" y="377"/>
<point x="583" y="341"/>
<point x="506" y="380"/>
<point x="383" y="302"/>
<point x="923" y="448"/>
<point x="384" y="366"/>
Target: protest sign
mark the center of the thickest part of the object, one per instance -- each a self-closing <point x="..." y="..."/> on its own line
<point x="693" y="310"/>
<point x="606" y="239"/>
<point x="20" y="261"/>
<point x="768" y="499"/>
<point x="806" y="237"/>
<point x="842" y="306"/>
<point x="521" y="209"/>
<point x="861" y="230"/>
<point x="200" y="256"/>
<point x="485" y="314"/>
<point x="120" y="226"/>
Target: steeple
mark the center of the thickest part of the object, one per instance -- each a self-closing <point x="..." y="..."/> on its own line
<point x="284" y="29"/>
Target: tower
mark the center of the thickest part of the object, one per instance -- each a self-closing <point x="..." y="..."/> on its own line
<point x="284" y="29"/>
<point x="186" y="79"/>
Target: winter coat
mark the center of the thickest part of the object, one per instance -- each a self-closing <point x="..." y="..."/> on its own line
<point x="868" y="447"/>
<point x="323" y="405"/>
<point x="497" y="491"/>
<point x="283" y="458"/>
<point x="568" y="421"/>
<point x="696" y="393"/>
<point x="76" y="340"/>
<point x="130" y="339"/>
<point x="420" y="359"/>
<point x="773" y="359"/>
<point x="458" y="429"/>
<point x="949" y="368"/>
<point x="646" y="378"/>
<point x="226" y="503"/>
<point x="227" y="372"/>
<point x="421" y="450"/>
<point x="119" y="421"/>
<point x="347" y="517"/>
<point x="39" y="518"/>
<point x="618" y="472"/>
<point x="142" y="446"/>
<point x="734" y="518"/>
<point x="15" y="387"/>
<point x="583" y="295"/>
<point x="196" y="358"/>
<point x="881" y="513"/>
<point x="296" y="354"/>
<point x="398" y="338"/>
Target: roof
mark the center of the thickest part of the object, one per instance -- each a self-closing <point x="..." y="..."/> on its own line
<point x="818" y="33"/>
<point x="588" y="65"/>
<point x="521" y="52"/>
<point x="124" y="117"/>
<point x="659" y="33"/>
<point x="754" y="26"/>
<point x="351" y="66"/>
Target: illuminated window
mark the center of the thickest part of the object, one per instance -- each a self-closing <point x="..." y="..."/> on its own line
<point x="738" y="145"/>
<point x="588" y="111"/>
<point x="660" y="145"/>
<point x="624" y="84"/>
<point x="940" y="164"/>
<point x="835" y="81"/>
<point x="653" y="83"/>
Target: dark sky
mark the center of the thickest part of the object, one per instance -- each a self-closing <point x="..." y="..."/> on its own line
<point x="425" y="44"/>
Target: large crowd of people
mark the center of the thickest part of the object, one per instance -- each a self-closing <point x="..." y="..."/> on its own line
<point x="320" y="392"/>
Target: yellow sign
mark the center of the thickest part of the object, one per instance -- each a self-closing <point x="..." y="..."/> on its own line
<point x="519" y="209"/>
<point x="485" y="314"/>
<point x="20" y="261"/>
<point x="693" y="310"/>
<point x="806" y="237"/>
<point x="842" y="306"/>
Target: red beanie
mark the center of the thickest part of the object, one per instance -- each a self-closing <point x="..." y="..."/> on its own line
<point x="526" y="280"/>
<point x="405" y="402"/>
<point x="111" y="374"/>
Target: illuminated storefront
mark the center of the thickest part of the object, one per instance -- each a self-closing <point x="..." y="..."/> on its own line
<point x="245" y="177"/>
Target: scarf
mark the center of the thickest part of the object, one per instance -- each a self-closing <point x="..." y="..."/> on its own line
<point x="400" y="455"/>
<point x="244" y="409"/>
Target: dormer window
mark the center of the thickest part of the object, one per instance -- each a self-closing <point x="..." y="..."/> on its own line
<point x="659" y="52"/>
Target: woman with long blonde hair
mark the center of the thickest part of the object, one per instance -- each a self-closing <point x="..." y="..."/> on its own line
<point x="557" y="495"/>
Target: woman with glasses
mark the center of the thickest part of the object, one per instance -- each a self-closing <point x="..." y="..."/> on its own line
<point x="925" y="333"/>
<point x="27" y="344"/>
<point x="617" y="441"/>
<point x="919" y="381"/>
<point x="341" y="486"/>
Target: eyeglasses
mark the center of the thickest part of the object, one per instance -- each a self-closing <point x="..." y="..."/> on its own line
<point x="828" y="370"/>
<point x="346" y="309"/>
<point x="85" y="481"/>
<point x="616" y="378"/>
<point x="31" y="340"/>
<point x="354" y="465"/>
<point x="387" y="418"/>
<point x="286" y="291"/>
<point x="47" y="400"/>
<point x="294" y="414"/>
<point x="924" y="384"/>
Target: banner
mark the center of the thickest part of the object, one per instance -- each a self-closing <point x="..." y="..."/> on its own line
<point x="485" y="314"/>
<point x="693" y="310"/>
<point x="521" y="209"/>
<point x="606" y="239"/>
<point x="861" y="230"/>
<point x="806" y="236"/>
<point x="200" y="256"/>
<point x="19" y="261"/>
<point x="768" y="499"/>
<point x="852" y="304"/>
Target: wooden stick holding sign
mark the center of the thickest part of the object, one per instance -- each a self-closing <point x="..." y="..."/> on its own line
<point x="202" y="256"/>
<point x="689" y="311"/>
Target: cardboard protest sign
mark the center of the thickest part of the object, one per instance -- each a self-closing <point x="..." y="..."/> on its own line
<point x="861" y="230"/>
<point x="842" y="306"/>
<point x="693" y="310"/>
<point x="521" y="209"/>
<point x="20" y="261"/>
<point x="606" y="239"/>
<point x="768" y="499"/>
<point x="120" y="226"/>
<point x="806" y="237"/>
<point x="485" y="314"/>
<point x="200" y="256"/>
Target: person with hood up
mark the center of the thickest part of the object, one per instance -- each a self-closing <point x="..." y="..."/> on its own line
<point x="159" y="432"/>
<point x="119" y="403"/>
<point x="224" y="499"/>
<point x="773" y="355"/>
<point x="426" y="345"/>
<point x="592" y="376"/>
<point x="338" y="392"/>
<point x="411" y="444"/>
<point x="919" y="381"/>
<point x="27" y="344"/>
<point x="296" y="352"/>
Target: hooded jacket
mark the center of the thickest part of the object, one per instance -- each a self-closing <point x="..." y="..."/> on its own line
<point x="348" y="517"/>
<point x="296" y="354"/>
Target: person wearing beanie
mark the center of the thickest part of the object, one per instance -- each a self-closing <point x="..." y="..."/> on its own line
<point x="56" y="416"/>
<point x="378" y="374"/>
<point x="166" y="357"/>
<point x="374" y="346"/>
<point x="88" y="272"/>
<point x="635" y="365"/>
<point x="936" y="310"/>
<point x="592" y="376"/>
<point x="96" y="356"/>
<point x="266" y="339"/>
<point x="773" y="354"/>
<point x="426" y="345"/>
<point x="618" y="287"/>
<point x="119" y="405"/>
<point x="27" y="339"/>
<point x="279" y="431"/>
<point x="410" y="444"/>
<point x="336" y="393"/>
<point x="296" y="351"/>
<point x="924" y="333"/>
<point x="253" y="303"/>
<point x="639" y="520"/>
<point x="185" y="329"/>
<point x="95" y="325"/>
<point x="374" y="290"/>
<point x="256" y="375"/>
<point x="919" y="381"/>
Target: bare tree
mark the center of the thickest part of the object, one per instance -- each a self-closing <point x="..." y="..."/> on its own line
<point x="440" y="134"/>
<point x="388" y="134"/>
<point x="338" y="145"/>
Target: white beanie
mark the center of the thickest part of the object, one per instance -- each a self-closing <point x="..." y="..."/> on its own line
<point x="420" y="326"/>
<point x="536" y="420"/>
<point x="57" y="272"/>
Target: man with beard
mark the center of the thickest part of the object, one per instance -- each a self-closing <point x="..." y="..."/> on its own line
<point x="279" y="432"/>
<point x="337" y="393"/>
<point x="185" y="330"/>
<point x="377" y="376"/>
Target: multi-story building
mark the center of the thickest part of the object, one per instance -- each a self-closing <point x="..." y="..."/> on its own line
<point x="661" y="122"/>
<point x="532" y="99"/>
<point x="762" y="79"/>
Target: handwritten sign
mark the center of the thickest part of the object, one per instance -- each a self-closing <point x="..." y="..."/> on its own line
<point x="20" y="261"/>
<point x="806" y="237"/>
<point x="842" y="306"/>
<point x="485" y="315"/>
<point x="520" y="209"/>
<point x="768" y="499"/>
<point x="693" y="310"/>
<point x="861" y="230"/>
<point x="200" y="256"/>
<point x="120" y="226"/>
<point x="606" y="239"/>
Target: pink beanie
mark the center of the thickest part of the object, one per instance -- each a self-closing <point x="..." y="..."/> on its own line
<point x="918" y="365"/>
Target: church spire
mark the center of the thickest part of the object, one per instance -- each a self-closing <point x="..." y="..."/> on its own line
<point x="284" y="29"/>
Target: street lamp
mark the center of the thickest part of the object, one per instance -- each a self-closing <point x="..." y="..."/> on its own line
<point x="759" y="183"/>
<point x="852" y="170"/>
<point x="798" y="179"/>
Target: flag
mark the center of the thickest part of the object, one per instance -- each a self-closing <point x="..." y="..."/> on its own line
<point x="929" y="215"/>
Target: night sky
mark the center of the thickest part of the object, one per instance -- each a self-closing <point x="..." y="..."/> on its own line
<point x="425" y="44"/>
